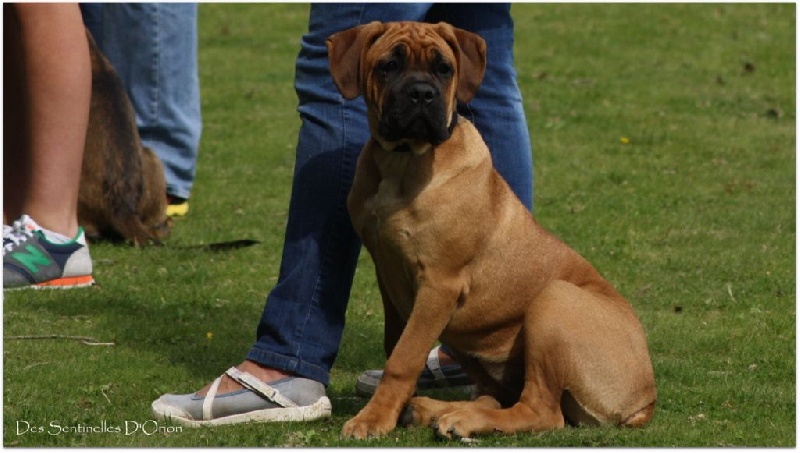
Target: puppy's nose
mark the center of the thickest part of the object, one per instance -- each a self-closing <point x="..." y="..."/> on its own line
<point x="421" y="93"/>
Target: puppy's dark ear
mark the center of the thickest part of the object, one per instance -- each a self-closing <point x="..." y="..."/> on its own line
<point x="345" y="50"/>
<point x="470" y="50"/>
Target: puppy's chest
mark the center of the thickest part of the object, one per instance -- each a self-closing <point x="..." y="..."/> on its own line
<point x="393" y="225"/>
<point x="397" y="238"/>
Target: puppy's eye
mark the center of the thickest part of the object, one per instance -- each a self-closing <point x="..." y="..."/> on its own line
<point x="443" y="69"/>
<point x="388" y="66"/>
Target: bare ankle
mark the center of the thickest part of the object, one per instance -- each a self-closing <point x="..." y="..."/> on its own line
<point x="445" y="359"/>
<point x="264" y="374"/>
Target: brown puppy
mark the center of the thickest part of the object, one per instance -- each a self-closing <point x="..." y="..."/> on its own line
<point x="122" y="190"/>
<point x="459" y="258"/>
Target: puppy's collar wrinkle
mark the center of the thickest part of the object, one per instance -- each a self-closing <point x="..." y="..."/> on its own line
<point x="405" y="147"/>
<point x="453" y="122"/>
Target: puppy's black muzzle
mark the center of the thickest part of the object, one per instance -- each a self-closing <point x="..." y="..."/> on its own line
<point x="421" y="93"/>
<point x="415" y="109"/>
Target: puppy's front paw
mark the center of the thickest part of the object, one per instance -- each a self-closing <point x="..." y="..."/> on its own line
<point x="368" y="424"/>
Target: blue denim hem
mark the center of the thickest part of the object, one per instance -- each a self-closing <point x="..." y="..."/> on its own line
<point x="288" y="364"/>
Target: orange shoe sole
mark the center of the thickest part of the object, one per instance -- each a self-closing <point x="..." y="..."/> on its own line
<point x="66" y="283"/>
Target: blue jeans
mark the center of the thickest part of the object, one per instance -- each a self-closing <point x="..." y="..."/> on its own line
<point x="153" y="48"/>
<point x="302" y="323"/>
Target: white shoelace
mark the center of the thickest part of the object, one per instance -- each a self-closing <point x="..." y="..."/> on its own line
<point x="17" y="233"/>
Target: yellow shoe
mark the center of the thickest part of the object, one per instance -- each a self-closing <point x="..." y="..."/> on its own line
<point x="177" y="207"/>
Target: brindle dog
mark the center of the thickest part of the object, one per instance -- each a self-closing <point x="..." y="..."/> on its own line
<point x="123" y="190"/>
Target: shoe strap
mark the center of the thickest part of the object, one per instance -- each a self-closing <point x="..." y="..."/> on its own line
<point x="435" y="367"/>
<point x="208" y="402"/>
<point x="260" y="387"/>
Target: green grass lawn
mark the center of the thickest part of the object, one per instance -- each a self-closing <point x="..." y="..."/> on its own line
<point x="664" y="152"/>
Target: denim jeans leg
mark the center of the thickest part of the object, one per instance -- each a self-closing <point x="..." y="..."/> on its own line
<point x="303" y="319"/>
<point x="153" y="48"/>
<point x="92" y="14"/>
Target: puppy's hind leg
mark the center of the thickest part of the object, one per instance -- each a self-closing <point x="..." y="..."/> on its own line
<point x="520" y="417"/>
<point x="539" y="405"/>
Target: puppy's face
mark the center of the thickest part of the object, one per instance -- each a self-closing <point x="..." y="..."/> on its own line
<point x="411" y="75"/>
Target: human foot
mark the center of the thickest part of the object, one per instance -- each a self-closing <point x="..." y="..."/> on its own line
<point x="245" y="398"/>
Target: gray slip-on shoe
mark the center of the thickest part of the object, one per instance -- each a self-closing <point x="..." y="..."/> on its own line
<point x="288" y="399"/>
<point x="433" y="376"/>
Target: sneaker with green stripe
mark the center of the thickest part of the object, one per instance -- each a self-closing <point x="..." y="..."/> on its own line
<point x="31" y="261"/>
